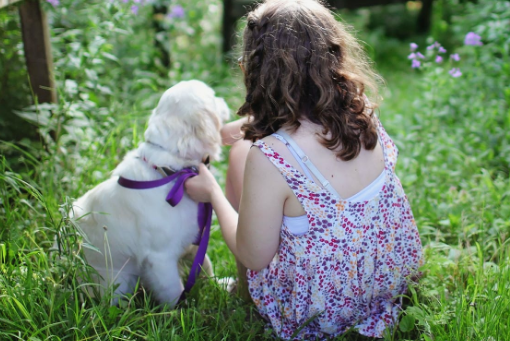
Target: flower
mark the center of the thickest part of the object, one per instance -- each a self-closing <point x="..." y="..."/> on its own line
<point x="412" y="56"/>
<point x="416" y="64"/>
<point x="433" y="46"/>
<point x="176" y="12"/>
<point x="55" y="3"/>
<point x="473" y="39"/>
<point x="439" y="59"/>
<point x="413" y="46"/>
<point x="455" y="72"/>
<point x="419" y="55"/>
<point x="455" y="57"/>
<point x="441" y="49"/>
<point x="134" y="9"/>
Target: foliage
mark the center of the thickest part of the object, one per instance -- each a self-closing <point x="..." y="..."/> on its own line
<point x="13" y="77"/>
<point x="453" y="164"/>
<point x="456" y="171"/>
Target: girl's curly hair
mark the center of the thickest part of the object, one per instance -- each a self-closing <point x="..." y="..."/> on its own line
<point x="302" y="63"/>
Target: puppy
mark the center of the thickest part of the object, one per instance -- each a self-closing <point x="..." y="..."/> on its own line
<point x="139" y="235"/>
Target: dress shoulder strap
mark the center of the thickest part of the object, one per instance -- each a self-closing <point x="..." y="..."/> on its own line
<point x="390" y="150"/>
<point x="306" y="161"/>
<point x="296" y="156"/>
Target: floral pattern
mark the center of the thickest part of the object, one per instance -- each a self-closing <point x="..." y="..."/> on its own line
<point x="350" y="267"/>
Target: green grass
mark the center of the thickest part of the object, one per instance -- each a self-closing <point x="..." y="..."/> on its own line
<point x="453" y="164"/>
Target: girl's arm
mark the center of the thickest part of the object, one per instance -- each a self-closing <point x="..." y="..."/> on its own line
<point x="253" y="236"/>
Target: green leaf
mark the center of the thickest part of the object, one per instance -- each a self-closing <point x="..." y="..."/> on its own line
<point x="407" y="323"/>
<point x="114" y="311"/>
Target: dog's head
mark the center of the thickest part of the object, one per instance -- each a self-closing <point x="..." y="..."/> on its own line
<point x="187" y="121"/>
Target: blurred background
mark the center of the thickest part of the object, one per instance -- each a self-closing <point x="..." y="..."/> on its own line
<point x="78" y="80"/>
<point x="168" y="39"/>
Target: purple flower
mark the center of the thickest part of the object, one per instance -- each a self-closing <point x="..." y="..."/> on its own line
<point x="413" y="46"/>
<point x="473" y="39"/>
<point x="176" y="12"/>
<point x="419" y="55"/>
<point x="55" y="3"/>
<point x="455" y="57"/>
<point x="455" y="72"/>
<point x="416" y="64"/>
<point x="439" y="59"/>
<point x="134" y="9"/>
<point x="441" y="49"/>
<point x="412" y="56"/>
<point x="433" y="46"/>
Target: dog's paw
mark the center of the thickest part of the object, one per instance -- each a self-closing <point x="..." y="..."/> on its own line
<point x="227" y="283"/>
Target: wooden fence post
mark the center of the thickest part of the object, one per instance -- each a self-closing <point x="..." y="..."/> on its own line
<point x="36" y="42"/>
<point x="158" y="15"/>
<point x="425" y="16"/>
<point x="229" y="21"/>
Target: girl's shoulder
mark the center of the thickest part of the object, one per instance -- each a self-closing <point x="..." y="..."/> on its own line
<point x="272" y="147"/>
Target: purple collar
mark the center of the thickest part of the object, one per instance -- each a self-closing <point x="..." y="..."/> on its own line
<point x="173" y="198"/>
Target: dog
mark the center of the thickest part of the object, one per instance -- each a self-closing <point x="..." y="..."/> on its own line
<point x="139" y="235"/>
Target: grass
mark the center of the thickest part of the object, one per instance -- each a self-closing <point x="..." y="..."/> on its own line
<point x="451" y="164"/>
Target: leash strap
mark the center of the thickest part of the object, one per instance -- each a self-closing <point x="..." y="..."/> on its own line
<point x="173" y="198"/>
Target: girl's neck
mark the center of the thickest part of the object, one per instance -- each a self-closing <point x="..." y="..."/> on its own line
<point x="307" y="128"/>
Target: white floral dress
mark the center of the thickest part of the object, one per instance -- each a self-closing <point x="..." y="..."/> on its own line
<point x="350" y="267"/>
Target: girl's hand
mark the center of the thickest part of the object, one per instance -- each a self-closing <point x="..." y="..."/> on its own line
<point x="203" y="187"/>
<point x="231" y="132"/>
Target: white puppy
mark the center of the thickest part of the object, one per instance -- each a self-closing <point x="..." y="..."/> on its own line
<point x="139" y="234"/>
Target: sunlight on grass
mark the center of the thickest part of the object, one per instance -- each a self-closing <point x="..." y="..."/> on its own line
<point x="453" y="163"/>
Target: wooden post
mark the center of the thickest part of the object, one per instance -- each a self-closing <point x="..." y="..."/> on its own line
<point x="425" y="16"/>
<point x="36" y="41"/>
<point x="229" y="21"/>
<point x="159" y="13"/>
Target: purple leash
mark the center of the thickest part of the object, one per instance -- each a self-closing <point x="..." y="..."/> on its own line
<point x="173" y="198"/>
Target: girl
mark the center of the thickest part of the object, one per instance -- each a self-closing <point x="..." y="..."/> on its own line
<point x="324" y="226"/>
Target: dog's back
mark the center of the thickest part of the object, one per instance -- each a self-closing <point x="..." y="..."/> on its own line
<point x="138" y="234"/>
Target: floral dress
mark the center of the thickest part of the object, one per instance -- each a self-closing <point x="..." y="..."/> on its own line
<point x="350" y="267"/>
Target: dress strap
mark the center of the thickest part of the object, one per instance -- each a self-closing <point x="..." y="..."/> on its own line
<point x="307" y="163"/>
<point x="296" y="156"/>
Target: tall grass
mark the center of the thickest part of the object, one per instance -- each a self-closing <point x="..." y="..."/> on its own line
<point x="453" y="164"/>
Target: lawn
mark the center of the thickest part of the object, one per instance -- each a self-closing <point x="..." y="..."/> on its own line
<point x="451" y="130"/>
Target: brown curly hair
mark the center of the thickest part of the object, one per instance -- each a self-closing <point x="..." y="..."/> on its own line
<point x="301" y="63"/>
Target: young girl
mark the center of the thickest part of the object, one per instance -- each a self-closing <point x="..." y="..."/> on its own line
<point x="324" y="226"/>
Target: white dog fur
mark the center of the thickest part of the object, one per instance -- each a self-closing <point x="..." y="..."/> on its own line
<point x="139" y="234"/>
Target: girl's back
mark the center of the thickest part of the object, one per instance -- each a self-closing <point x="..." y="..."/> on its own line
<point x="347" y="178"/>
<point x="354" y="257"/>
